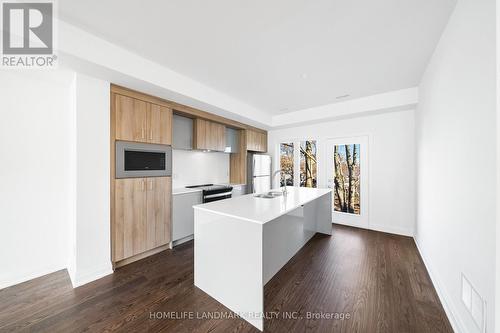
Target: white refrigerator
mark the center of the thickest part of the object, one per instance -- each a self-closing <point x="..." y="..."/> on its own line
<point x="259" y="173"/>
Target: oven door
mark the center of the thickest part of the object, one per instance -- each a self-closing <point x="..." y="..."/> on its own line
<point x="135" y="159"/>
<point x="216" y="197"/>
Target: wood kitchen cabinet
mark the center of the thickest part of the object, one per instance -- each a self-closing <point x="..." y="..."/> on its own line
<point x="140" y="121"/>
<point x="159" y="212"/>
<point x="131" y="119"/>
<point x="209" y="135"/>
<point x="142" y="215"/>
<point x="238" y="161"/>
<point x="256" y="141"/>
<point x="160" y="124"/>
<point x="219" y="135"/>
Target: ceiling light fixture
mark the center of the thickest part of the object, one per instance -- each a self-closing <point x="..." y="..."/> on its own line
<point x="342" y="96"/>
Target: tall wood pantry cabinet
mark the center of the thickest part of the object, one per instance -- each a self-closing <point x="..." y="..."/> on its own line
<point x="141" y="208"/>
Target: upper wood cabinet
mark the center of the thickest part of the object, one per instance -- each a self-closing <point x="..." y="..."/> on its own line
<point x="238" y="161"/>
<point x="219" y="135"/>
<point x="256" y="141"/>
<point x="131" y="118"/>
<point x="209" y="135"/>
<point x="141" y="121"/>
<point x="160" y="125"/>
<point x="142" y="215"/>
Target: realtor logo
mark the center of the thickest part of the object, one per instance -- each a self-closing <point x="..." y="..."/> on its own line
<point x="28" y="34"/>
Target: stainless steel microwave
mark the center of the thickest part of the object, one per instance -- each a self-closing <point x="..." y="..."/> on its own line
<point x="135" y="160"/>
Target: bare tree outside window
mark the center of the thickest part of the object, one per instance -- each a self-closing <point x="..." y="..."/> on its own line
<point x="286" y="164"/>
<point x="308" y="164"/>
<point x="347" y="179"/>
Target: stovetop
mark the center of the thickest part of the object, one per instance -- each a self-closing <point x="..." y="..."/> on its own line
<point x="212" y="188"/>
<point x="198" y="186"/>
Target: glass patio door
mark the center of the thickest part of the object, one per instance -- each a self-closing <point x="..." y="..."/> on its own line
<point x="347" y="176"/>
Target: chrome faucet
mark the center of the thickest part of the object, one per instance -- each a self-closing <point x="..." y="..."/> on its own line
<point x="283" y="189"/>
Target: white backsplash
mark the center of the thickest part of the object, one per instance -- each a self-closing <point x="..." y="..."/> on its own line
<point x="191" y="167"/>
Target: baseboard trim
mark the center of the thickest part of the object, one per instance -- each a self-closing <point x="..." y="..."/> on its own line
<point x="457" y="325"/>
<point x="183" y="240"/>
<point x="30" y="276"/>
<point x="381" y="228"/>
<point x="141" y="256"/>
<point x="392" y="230"/>
<point x="91" y="276"/>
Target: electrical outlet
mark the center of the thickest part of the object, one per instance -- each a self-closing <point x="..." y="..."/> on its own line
<point x="473" y="302"/>
<point x="477" y="308"/>
<point x="466" y="293"/>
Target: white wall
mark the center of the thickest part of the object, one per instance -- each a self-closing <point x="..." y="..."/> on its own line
<point x="90" y="251"/>
<point x="54" y="198"/>
<point x="35" y="173"/>
<point x="456" y="136"/>
<point x="190" y="167"/>
<point x="391" y="162"/>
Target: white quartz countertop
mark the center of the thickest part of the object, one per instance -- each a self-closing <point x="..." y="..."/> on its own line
<point x="262" y="210"/>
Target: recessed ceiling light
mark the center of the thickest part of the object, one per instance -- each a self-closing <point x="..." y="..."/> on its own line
<point x="342" y="96"/>
<point x="304" y="75"/>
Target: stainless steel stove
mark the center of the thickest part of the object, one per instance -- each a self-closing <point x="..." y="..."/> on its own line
<point x="213" y="192"/>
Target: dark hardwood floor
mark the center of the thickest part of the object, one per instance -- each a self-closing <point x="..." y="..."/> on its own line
<point x="376" y="281"/>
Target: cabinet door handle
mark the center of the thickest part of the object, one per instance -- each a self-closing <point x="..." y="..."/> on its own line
<point x="143" y="185"/>
<point x="151" y="134"/>
<point x="151" y="185"/>
<point x="142" y="131"/>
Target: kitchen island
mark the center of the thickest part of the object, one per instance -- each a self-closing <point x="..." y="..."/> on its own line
<point x="241" y="243"/>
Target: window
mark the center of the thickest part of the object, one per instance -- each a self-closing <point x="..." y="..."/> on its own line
<point x="286" y="163"/>
<point x="308" y="164"/>
<point x="347" y="178"/>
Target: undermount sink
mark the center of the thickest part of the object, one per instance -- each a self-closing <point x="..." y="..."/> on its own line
<point x="269" y="195"/>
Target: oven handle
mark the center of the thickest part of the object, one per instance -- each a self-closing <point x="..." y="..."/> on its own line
<point x="217" y="195"/>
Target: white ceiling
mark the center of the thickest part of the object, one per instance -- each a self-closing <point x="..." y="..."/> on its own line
<point x="281" y="55"/>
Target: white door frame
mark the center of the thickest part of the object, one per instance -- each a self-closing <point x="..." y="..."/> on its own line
<point x="361" y="220"/>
